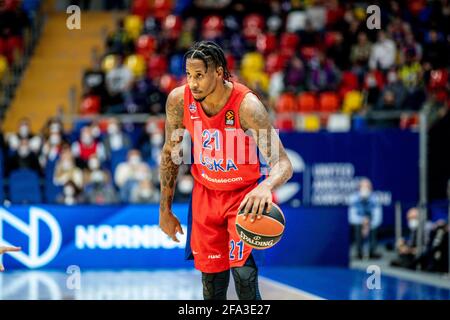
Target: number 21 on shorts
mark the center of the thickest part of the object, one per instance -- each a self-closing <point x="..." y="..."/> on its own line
<point x="239" y="246"/>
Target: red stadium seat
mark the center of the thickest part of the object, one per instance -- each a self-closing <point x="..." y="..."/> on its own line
<point x="438" y="79"/>
<point x="141" y="8"/>
<point x="286" y="103"/>
<point x="172" y="25"/>
<point x="266" y="43"/>
<point x="146" y="45"/>
<point x="284" y="123"/>
<point x="212" y="27"/>
<point x="161" y="8"/>
<point x="231" y="63"/>
<point x="289" y="41"/>
<point x="157" y="66"/>
<point x="167" y="83"/>
<point x="308" y="52"/>
<point x="348" y="83"/>
<point x="90" y="105"/>
<point x="329" y="102"/>
<point x="307" y="102"/>
<point x="253" y="25"/>
<point x="275" y="62"/>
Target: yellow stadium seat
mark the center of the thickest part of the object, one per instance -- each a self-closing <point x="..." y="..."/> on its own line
<point x="109" y="62"/>
<point x="353" y="101"/>
<point x="311" y="123"/>
<point x="3" y="66"/>
<point x="252" y="62"/>
<point x="136" y="63"/>
<point x="257" y="80"/>
<point x="133" y="26"/>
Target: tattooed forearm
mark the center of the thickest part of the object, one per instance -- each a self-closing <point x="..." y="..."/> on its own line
<point x="255" y="118"/>
<point x="168" y="168"/>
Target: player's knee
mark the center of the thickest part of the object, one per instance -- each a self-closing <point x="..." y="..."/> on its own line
<point x="215" y="285"/>
<point x="246" y="282"/>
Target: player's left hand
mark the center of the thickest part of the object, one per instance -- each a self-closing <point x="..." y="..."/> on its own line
<point x="7" y="249"/>
<point x="256" y="201"/>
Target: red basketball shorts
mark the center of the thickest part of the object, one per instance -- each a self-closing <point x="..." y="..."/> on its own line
<point x="212" y="238"/>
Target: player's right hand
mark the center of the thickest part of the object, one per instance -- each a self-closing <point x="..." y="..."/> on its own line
<point x="170" y="225"/>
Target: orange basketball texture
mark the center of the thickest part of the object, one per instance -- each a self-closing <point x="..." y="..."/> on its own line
<point x="263" y="233"/>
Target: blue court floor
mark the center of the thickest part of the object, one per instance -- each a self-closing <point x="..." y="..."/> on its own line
<point x="349" y="284"/>
<point x="185" y="284"/>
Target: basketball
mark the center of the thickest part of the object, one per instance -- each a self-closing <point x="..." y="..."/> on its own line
<point x="262" y="233"/>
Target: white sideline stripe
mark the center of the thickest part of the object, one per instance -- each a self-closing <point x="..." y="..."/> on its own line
<point x="291" y="289"/>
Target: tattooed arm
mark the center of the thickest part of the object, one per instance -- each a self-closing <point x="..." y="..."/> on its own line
<point x="255" y="118"/>
<point x="168" y="222"/>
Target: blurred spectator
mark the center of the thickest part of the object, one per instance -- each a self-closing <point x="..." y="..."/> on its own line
<point x="183" y="191"/>
<point x="71" y="195"/>
<point x="99" y="189"/>
<point x="51" y="149"/>
<point x="94" y="82"/>
<point x="119" y="81"/>
<point x="23" y="133"/>
<point x="66" y="171"/>
<point x="86" y="146"/>
<point x="383" y="53"/>
<point x="144" y="192"/>
<point x="340" y="51"/>
<point x="295" y="75"/>
<point x="435" y="51"/>
<point x="115" y="139"/>
<point x="360" y="54"/>
<point x="394" y="93"/>
<point x="323" y="74"/>
<point x="24" y="158"/>
<point x="365" y="215"/>
<point x="129" y="173"/>
<point x="120" y="42"/>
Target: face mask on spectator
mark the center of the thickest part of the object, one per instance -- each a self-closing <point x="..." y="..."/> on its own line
<point x="157" y="139"/>
<point x="185" y="185"/>
<point x="364" y="193"/>
<point x="69" y="191"/>
<point x="391" y="77"/>
<point x="97" y="176"/>
<point x="66" y="164"/>
<point x="95" y="130"/>
<point x="413" y="224"/>
<point x="135" y="160"/>
<point x="23" y="151"/>
<point x="55" y="128"/>
<point x="150" y="128"/>
<point x="116" y="141"/>
<point x="371" y="82"/>
<point x="93" y="164"/>
<point x="146" y="192"/>
<point x="86" y="139"/>
<point x="55" y="139"/>
<point x="24" y="131"/>
<point x="113" y="128"/>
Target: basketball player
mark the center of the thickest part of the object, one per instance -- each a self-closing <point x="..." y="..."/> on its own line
<point x="4" y="250"/>
<point x="213" y="109"/>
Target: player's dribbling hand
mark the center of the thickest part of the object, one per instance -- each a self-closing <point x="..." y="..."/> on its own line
<point x="7" y="249"/>
<point x="170" y="225"/>
<point x="255" y="201"/>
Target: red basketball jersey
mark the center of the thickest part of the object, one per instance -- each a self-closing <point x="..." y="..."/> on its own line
<point x="224" y="157"/>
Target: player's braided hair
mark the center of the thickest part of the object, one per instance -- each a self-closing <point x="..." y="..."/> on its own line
<point x="210" y="53"/>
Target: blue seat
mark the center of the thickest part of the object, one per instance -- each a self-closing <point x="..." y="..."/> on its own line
<point x="24" y="187"/>
<point x="118" y="157"/>
<point x="51" y="191"/>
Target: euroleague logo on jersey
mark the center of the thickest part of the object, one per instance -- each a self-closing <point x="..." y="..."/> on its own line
<point x="192" y="108"/>
<point x="229" y="118"/>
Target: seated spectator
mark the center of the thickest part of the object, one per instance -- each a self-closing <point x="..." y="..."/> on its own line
<point x="99" y="189"/>
<point x="94" y="82"/>
<point x="323" y="74"/>
<point x="51" y="149"/>
<point x="86" y="146"/>
<point x="395" y="89"/>
<point x="365" y="215"/>
<point x="435" y="51"/>
<point x="383" y="53"/>
<point x="115" y="139"/>
<point x="23" y="133"/>
<point x="407" y="248"/>
<point x="129" y="173"/>
<point x="119" y="42"/>
<point x="183" y="191"/>
<point x="144" y="192"/>
<point x="66" y="171"/>
<point x="150" y="143"/>
<point x="71" y="195"/>
<point x="360" y="54"/>
<point x="119" y="81"/>
<point x="295" y="75"/>
<point x="24" y="158"/>
<point x="435" y="256"/>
